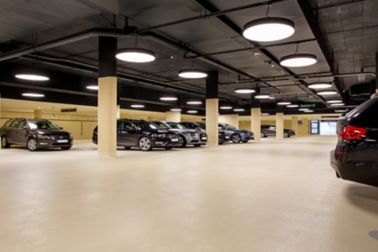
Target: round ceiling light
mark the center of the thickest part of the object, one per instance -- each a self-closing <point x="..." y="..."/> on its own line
<point x="137" y="105"/>
<point x="292" y="106"/>
<point x="32" y="77"/>
<point x="298" y="60"/>
<point x="92" y="87"/>
<point x="192" y="74"/>
<point x="244" y="91"/>
<point x="192" y="111"/>
<point x="318" y="86"/>
<point x="135" y="55"/>
<point x="168" y="98"/>
<point x="262" y="97"/>
<point x="225" y="107"/>
<point x="33" y="95"/>
<point x="283" y="103"/>
<point x="175" y="110"/>
<point x="334" y="101"/>
<point x="239" y="110"/>
<point x="194" y="102"/>
<point x="327" y="93"/>
<point x="268" y="29"/>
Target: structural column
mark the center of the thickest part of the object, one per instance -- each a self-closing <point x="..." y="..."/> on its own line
<point x="212" y="107"/>
<point x="256" y="123"/>
<point x="173" y="116"/>
<point x="376" y="70"/>
<point x="107" y="97"/>
<point x="37" y="114"/>
<point x="279" y="125"/>
<point x="294" y="124"/>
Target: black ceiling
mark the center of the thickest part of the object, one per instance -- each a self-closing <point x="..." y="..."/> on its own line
<point x="342" y="33"/>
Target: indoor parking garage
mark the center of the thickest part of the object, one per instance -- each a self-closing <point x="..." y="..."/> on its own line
<point x="196" y="125"/>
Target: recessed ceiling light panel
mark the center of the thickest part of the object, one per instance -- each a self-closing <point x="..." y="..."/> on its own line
<point x="192" y="111"/>
<point x="92" y="87"/>
<point x="268" y="29"/>
<point x="260" y="97"/>
<point x="327" y="93"/>
<point x="245" y="91"/>
<point x="298" y="60"/>
<point x="225" y="107"/>
<point x="292" y="106"/>
<point x="135" y="55"/>
<point x="283" y="103"/>
<point x="168" y="98"/>
<point x="194" y="102"/>
<point x="192" y="74"/>
<point x="334" y="101"/>
<point x="32" y="77"/>
<point x="239" y="110"/>
<point x="318" y="86"/>
<point x="175" y="110"/>
<point x="137" y="105"/>
<point x="33" y="95"/>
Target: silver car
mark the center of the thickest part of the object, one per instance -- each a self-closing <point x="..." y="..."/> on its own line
<point x="187" y="136"/>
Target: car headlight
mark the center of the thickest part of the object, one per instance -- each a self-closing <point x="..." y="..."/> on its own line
<point x="161" y="135"/>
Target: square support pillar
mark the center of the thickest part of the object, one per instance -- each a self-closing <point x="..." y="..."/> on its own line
<point x="256" y="123"/>
<point x="279" y="126"/>
<point x="294" y="124"/>
<point x="212" y="122"/>
<point x="173" y="116"/>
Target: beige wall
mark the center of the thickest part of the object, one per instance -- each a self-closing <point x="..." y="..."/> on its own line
<point x="230" y="119"/>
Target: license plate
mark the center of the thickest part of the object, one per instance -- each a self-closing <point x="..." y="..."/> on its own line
<point x="174" y="140"/>
<point x="62" y="141"/>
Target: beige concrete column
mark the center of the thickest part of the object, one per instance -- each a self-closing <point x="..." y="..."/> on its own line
<point x="107" y="116"/>
<point x="37" y="114"/>
<point x="256" y="123"/>
<point x="230" y="119"/>
<point x="294" y="124"/>
<point x="212" y="116"/>
<point x="118" y="112"/>
<point x="173" y="116"/>
<point x="279" y="125"/>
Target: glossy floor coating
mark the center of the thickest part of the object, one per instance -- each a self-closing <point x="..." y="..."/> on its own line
<point x="272" y="196"/>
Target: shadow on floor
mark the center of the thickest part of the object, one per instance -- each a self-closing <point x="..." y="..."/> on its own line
<point x="364" y="197"/>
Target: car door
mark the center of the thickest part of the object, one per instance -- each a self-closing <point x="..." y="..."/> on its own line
<point x="127" y="134"/>
<point x="12" y="131"/>
<point x="22" y="132"/>
<point x="272" y="130"/>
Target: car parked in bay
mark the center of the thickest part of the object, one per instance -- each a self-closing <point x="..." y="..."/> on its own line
<point x="187" y="136"/>
<point x="270" y="130"/>
<point x="355" y="157"/>
<point x="142" y="134"/>
<point x="34" y="134"/>
<point x="201" y="127"/>
<point x="236" y="135"/>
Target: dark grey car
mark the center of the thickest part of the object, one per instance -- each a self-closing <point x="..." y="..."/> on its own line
<point x="270" y="130"/>
<point x="34" y="134"/>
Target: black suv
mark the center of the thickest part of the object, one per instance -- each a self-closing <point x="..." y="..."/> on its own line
<point x="34" y="134"/>
<point x="200" y="127"/>
<point x="356" y="155"/>
<point x="142" y="134"/>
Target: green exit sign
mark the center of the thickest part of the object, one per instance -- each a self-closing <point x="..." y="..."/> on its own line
<point x="307" y="106"/>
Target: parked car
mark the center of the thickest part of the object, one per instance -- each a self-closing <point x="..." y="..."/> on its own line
<point x="236" y="135"/>
<point x="142" y="134"/>
<point x="34" y="134"/>
<point x="187" y="136"/>
<point x="201" y="127"/>
<point x="270" y="130"/>
<point x="355" y="157"/>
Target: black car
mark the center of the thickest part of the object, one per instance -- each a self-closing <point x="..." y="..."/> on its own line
<point x="201" y="127"/>
<point x="270" y="130"/>
<point x="355" y="157"/>
<point x="236" y="135"/>
<point x="142" y="134"/>
<point x="34" y="134"/>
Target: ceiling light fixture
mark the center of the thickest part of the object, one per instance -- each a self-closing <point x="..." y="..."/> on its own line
<point x="33" y="95"/>
<point x="135" y="55"/>
<point x="309" y="111"/>
<point x="268" y="29"/>
<point x="260" y="97"/>
<point x="283" y="103"/>
<point x="137" y="105"/>
<point x="292" y="106"/>
<point x="265" y="114"/>
<point x="194" y="102"/>
<point x="341" y="110"/>
<point x="239" y="110"/>
<point x="175" y="110"/>
<point x="303" y="109"/>
<point x="337" y="104"/>
<point x="318" y="86"/>
<point x="168" y="98"/>
<point x="244" y="91"/>
<point x="225" y="107"/>
<point x="327" y="93"/>
<point x="32" y="77"/>
<point x="92" y="87"/>
<point x="298" y="60"/>
<point x="334" y="101"/>
<point x="192" y="111"/>
<point x="192" y="74"/>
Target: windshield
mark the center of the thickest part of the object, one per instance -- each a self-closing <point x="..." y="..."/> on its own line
<point x="227" y="126"/>
<point x="160" y="125"/>
<point x="175" y="125"/>
<point x="44" y="125"/>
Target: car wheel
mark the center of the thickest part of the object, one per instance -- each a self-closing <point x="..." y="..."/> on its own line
<point x="32" y="144"/>
<point x="236" y="138"/>
<point x="145" y="144"/>
<point x="286" y="135"/>
<point x="66" y="148"/>
<point x="182" y="141"/>
<point x="4" y="142"/>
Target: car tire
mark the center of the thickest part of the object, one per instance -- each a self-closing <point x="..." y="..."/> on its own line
<point x="66" y="148"/>
<point x="32" y="144"/>
<point x="286" y="135"/>
<point x="4" y="142"/>
<point x="236" y="138"/>
<point x="182" y="141"/>
<point x="145" y="143"/>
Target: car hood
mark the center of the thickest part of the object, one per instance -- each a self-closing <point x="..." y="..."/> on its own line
<point x="183" y="131"/>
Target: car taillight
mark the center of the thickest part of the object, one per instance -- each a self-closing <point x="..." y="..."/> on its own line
<point x="350" y="133"/>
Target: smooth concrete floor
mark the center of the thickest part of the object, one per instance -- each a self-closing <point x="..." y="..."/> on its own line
<point x="271" y="196"/>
